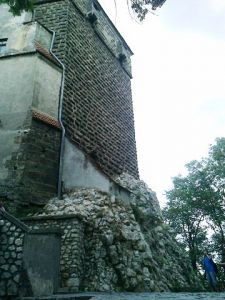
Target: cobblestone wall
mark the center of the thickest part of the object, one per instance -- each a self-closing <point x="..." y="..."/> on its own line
<point x="72" y="249"/>
<point x="97" y="107"/>
<point x="11" y="253"/>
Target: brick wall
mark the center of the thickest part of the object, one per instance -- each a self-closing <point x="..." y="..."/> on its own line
<point x="41" y="171"/>
<point x="33" y="169"/>
<point x="97" y="107"/>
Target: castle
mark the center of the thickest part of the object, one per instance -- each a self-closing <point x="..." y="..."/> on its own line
<point x="66" y="106"/>
<point x="77" y="217"/>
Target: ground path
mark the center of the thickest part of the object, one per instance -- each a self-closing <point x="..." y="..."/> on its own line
<point x="135" y="296"/>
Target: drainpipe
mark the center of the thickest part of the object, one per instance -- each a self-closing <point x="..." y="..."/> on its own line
<point x="59" y="193"/>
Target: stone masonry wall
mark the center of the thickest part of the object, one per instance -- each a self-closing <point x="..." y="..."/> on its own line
<point x="72" y="249"/>
<point x="97" y="107"/>
<point x="33" y="170"/>
<point x="127" y="247"/>
<point x="41" y="172"/>
<point x="11" y="248"/>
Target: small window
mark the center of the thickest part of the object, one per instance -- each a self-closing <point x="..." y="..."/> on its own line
<point x="3" y="43"/>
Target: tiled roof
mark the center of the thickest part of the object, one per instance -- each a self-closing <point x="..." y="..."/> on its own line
<point x="45" y="118"/>
<point x="46" y="53"/>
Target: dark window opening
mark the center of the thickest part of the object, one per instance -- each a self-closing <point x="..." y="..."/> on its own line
<point x="122" y="58"/>
<point x="3" y="43"/>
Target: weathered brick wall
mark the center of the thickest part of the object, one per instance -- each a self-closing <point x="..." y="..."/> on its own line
<point x="54" y="16"/>
<point x="97" y="107"/>
<point x="72" y="248"/>
<point x="41" y="172"/>
<point x="33" y="169"/>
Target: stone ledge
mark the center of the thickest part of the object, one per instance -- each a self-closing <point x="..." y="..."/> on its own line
<point x="14" y="220"/>
<point x="51" y="217"/>
<point x="46" y="231"/>
<point x="45" y="118"/>
<point x="12" y="54"/>
<point x="46" y="54"/>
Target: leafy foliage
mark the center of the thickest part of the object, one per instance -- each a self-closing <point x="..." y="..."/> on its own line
<point x="140" y="7"/>
<point x="17" y="6"/>
<point x="214" y="208"/>
<point x="196" y="204"/>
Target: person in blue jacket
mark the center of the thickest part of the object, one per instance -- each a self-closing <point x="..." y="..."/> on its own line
<point x="210" y="270"/>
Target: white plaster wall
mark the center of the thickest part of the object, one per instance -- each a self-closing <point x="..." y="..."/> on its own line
<point x="46" y="87"/>
<point x="20" y="37"/>
<point x="16" y="89"/>
<point x="7" y="19"/>
<point x="25" y="81"/>
<point x="78" y="171"/>
<point x="16" y="93"/>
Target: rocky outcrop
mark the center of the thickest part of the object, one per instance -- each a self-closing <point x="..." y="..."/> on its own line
<point x="127" y="246"/>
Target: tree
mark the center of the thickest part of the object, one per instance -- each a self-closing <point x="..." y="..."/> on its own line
<point x="185" y="217"/>
<point x="213" y="206"/>
<point x="140" y="7"/>
<point x="199" y="198"/>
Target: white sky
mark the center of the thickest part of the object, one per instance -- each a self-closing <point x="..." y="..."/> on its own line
<point x="178" y="84"/>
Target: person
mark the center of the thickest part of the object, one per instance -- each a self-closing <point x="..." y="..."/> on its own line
<point x="210" y="270"/>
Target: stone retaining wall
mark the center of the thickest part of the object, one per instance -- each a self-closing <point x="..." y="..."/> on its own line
<point x="72" y="248"/>
<point x="12" y="234"/>
<point x="123" y="246"/>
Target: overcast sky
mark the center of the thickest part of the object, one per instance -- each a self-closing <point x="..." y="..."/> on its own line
<point x="178" y="84"/>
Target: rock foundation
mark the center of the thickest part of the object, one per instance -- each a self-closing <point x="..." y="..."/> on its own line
<point x="126" y="246"/>
<point x="11" y="254"/>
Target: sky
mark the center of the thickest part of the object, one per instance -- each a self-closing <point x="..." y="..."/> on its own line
<point x="178" y="84"/>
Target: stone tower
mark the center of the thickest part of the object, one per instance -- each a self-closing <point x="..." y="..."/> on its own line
<point x="66" y="126"/>
<point x="66" y="106"/>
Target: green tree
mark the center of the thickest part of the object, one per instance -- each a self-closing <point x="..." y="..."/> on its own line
<point x="198" y="198"/>
<point x="183" y="214"/>
<point x="140" y="7"/>
<point x="213" y="206"/>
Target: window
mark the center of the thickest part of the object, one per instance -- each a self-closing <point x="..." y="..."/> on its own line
<point x="3" y="44"/>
